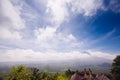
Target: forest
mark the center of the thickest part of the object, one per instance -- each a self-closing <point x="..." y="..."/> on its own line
<point x="22" y="72"/>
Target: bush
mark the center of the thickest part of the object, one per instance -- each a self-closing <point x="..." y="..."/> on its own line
<point x="19" y="73"/>
<point x="62" y="77"/>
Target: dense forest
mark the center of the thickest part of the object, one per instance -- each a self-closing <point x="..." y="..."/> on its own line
<point x="22" y="72"/>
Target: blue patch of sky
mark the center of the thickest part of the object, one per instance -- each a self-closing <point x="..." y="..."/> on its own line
<point x="77" y="26"/>
<point x="104" y="24"/>
<point x="106" y="3"/>
<point x="96" y="27"/>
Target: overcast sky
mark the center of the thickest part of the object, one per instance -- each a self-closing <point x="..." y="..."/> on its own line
<point x="41" y="30"/>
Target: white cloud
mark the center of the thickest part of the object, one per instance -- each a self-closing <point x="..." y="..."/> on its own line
<point x="10" y="21"/>
<point x="11" y="14"/>
<point x="49" y="38"/>
<point x="46" y="37"/>
<point x="102" y="55"/>
<point x="57" y="10"/>
<point x="86" y="7"/>
<point x="45" y="33"/>
<point x="30" y="55"/>
<point x="49" y="33"/>
<point x="9" y="35"/>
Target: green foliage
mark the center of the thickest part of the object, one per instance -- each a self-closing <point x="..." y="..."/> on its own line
<point x="62" y="77"/>
<point x="68" y="73"/>
<point x="19" y="73"/>
<point x="37" y="75"/>
<point x="23" y="73"/>
<point x="116" y="68"/>
<point x="3" y="76"/>
<point x="55" y="75"/>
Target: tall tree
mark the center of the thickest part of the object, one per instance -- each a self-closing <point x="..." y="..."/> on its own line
<point x="116" y="68"/>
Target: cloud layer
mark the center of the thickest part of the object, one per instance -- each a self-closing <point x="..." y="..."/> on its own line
<point x="31" y="31"/>
<point x="30" y="55"/>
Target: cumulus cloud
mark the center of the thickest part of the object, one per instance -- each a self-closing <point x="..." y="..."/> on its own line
<point x="50" y="39"/>
<point x="45" y="33"/>
<point x="48" y="33"/>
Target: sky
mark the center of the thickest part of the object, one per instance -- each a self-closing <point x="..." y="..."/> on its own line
<point x="43" y="30"/>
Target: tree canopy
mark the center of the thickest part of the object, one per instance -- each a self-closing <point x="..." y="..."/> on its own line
<point x="116" y="68"/>
<point x="19" y="73"/>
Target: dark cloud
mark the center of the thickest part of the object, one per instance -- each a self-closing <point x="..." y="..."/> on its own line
<point x="86" y="52"/>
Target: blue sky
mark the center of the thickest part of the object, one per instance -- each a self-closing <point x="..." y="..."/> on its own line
<point x="41" y="30"/>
